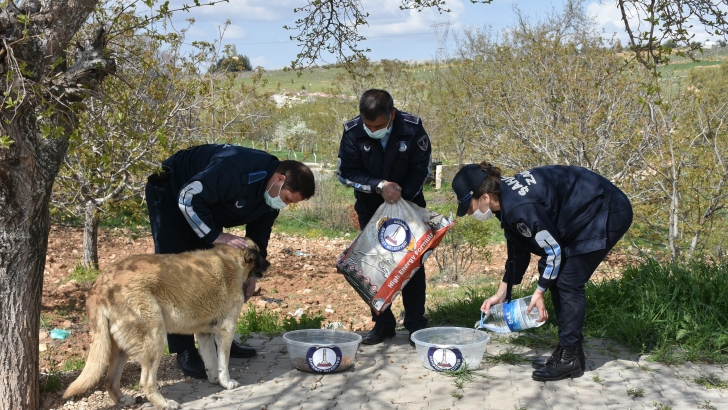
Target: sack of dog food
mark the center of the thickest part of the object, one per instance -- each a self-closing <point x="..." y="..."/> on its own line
<point x="390" y="249"/>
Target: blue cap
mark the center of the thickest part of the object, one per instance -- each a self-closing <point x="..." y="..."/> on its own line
<point x="466" y="181"/>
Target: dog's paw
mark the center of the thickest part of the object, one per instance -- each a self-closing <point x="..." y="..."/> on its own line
<point x="232" y="384"/>
<point x="126" y="400"/>
<point x="171" y="405"/>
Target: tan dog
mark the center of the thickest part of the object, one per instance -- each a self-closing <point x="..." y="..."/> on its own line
<point x="136" y="301"/>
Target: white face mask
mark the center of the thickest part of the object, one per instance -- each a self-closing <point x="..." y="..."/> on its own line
<point x="277" y="202"/>
<point x="378" y="134"/>
<point x="482" y="216"/>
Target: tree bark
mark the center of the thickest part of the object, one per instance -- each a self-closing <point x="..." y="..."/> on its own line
<point x="90" y="236"/>
<point x="25" y="186"/>
<point x="30" y="164"/>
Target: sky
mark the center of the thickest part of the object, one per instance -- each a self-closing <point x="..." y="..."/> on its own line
<point x="257" y="31"/>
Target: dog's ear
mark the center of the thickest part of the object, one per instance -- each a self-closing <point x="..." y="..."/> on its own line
<point x="260" y="264"/>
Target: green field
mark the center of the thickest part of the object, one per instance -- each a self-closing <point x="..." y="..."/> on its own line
<point x="316" y="80"/>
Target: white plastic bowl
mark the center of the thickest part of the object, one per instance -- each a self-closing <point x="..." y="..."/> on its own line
<point x="322" y="350"/>
<point x="447" y="348"/>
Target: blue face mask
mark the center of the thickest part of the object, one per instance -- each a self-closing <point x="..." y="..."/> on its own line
<point x="277" y="202"/>
<point x="378" y="134"/>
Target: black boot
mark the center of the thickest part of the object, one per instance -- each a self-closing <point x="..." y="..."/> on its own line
<point x="191" y="364"/>
<point x="568" y="364"/>
<point x="378" y="334"/>
<point x="544" y="361"/>
<point x="239" y="351"/>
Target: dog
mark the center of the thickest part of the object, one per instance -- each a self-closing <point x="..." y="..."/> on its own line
<point x="136" y="301"/>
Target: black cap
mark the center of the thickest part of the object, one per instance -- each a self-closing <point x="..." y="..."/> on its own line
<point x="467" y="180"/>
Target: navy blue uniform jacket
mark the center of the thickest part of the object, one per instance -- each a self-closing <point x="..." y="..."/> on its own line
<point x="554" y="212"/>
<point x="222" y="186"/>
<point x="363" y="163"/>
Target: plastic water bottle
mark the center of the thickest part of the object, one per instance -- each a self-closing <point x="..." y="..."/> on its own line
<point x="510" y="317"/>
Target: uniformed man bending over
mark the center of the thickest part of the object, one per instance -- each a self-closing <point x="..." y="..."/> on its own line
<point x="385" y="155"/>
<point x="204" y="189"/>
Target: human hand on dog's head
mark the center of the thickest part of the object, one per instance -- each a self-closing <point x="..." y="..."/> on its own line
<point x="232" y="240"/>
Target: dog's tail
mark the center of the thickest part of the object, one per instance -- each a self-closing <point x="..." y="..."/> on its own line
<point x="98" y="356"/>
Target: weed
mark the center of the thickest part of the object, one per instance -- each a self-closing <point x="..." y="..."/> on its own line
<point x="642" y="367"/>
<point x="74" y="363"/>
<point x="660" y="406"/>
<point x="597" y="379"/>
<point x="462" y="375"/>
<point x="50" y="382"/>
<point x="707" y="406"/>
<point x="252" y="321"/>
<point x="45" y="320"/>
<point x="508" y="357"/>
<point x="83" y="274"/>
<point x="711" y="382"/>
<point x="635" y="392"/>
<point x="457" y="395"/>
<point x="304" y="322"/>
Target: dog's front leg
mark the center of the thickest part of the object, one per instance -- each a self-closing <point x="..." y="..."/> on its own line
<point x="224" y="338"/>
<point x="209" y="356"/>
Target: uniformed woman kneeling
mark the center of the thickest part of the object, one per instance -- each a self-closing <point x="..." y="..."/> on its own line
<point x="571" y="218"/>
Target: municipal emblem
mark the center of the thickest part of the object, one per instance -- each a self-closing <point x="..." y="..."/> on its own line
<point x="395" y="235"/>
<point x="323" y="359"/>
<point x="444" y="359"/>
<point x="523" y="229"/>
<point x="423" y="143"/>
<point x="367" y="147"/>
<point x="402" y="146"/>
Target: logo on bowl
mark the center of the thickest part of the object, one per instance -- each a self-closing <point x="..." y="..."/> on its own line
<point x="395" y="235"/>
<point x="323" y="359"/>
<point x="442" y="359"/>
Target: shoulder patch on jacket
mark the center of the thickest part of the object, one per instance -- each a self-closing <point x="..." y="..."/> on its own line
<point x="254" y="177"/>
<point x="351" y="123"/>
<point x="410" y="118"/>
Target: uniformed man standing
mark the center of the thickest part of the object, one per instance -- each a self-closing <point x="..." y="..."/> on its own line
<point x="206" y="188"/>
<point x="385" y="155"/>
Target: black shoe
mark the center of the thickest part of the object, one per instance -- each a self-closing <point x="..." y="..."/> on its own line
<point x="544" y="361"/>
<point x="191" y="364"/>
<point x="567" y="364"/>
<point x="241" y="352"/>
<point x="378" y="334"/>
<point x="412" y="342"/>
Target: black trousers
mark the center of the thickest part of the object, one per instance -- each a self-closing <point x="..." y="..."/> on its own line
<point x="567" y="292"/>
<point x="413" y="295"/>
<point x="171" y="234"/>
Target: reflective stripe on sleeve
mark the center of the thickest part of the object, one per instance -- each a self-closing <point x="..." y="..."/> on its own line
<point x="185" y="205"/>
<point x="553" y="252"/>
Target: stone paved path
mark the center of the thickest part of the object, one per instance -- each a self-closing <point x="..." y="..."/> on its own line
<point x="390" y="376"/>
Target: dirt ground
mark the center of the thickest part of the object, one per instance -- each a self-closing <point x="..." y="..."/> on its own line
<point x="302" y="275"/>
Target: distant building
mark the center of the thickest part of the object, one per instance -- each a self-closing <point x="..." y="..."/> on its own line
<point x="710" y="44"/>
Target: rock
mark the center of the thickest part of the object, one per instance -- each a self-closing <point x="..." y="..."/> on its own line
<point x="307" y="291"/>
<point x="42" y="347"/>
<point x="261" y="303"/>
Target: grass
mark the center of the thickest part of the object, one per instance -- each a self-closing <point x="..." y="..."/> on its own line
<point x="74" y="363"/>
<point x="711" y="381"/>
<point x="508" y="357"/>
<point x="597" y="379"/>
<point x="674" y="313"/>
<point x="707" y="406"/>
<point x="660" y="406"/>
<point x="83" y="274"/>
<point x="270" y="323"/>
<point x="635" y="392"/>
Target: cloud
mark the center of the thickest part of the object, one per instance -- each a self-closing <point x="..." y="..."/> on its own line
<point x="386" y="18"/>
<point x="260" y="61"/>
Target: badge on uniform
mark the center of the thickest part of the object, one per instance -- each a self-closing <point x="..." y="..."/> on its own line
<point x="523" y="229"/>
<point x="367" y="147"/>
<point x="423" y="143"/>
<point x="402" y="146"/>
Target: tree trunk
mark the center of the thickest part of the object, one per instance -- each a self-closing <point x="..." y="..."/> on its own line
<point x="27" y="170"/>
<point x="90" y="236"/>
